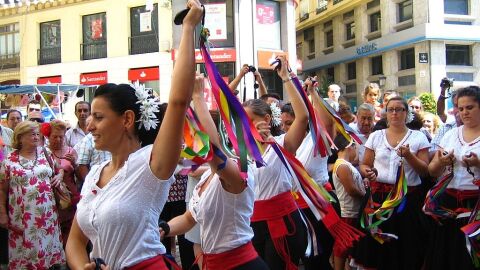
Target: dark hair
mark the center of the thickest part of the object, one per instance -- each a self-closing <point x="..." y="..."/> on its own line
<point x="416" y="123"/>
<point x="469" y="91"/>
<point x="34" y="101"/>
<point x="261" y="108"/>
<point x="341" y="142"/>
<point x="272" y="95"/>
<point x="287" y="108"/>
<point x="13" y="110"/>
<point x="398" y="98"/>
<point x="83" y="102"/>
<point x="390" y="92"/>
<point x="122" y="98"/>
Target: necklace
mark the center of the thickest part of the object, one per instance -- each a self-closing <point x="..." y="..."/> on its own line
<point x="28" y="160"/>
<point x="62" y="156"/>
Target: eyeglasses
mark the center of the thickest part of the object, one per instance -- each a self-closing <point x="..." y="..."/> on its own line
<point x="397" y="110"/>
<point x="33" y="109"/>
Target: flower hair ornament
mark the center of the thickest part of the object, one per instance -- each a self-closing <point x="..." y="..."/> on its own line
<point x="45" y="129"/>
<point x="148" y="107"/>
<point x="276" y="112"/>
<point x="410" y="115"/>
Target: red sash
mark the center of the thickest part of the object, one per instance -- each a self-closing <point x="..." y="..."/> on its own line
<point x="155" y="263"/>
<point x="230" y="259"/>
<point x="272" y="211"/>
<point x="379" y="187"/>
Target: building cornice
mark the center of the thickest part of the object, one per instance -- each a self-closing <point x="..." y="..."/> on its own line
<point x="8" y="11"/>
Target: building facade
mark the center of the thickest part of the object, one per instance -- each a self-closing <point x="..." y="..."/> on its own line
<point x="97" y="41"/>
<point x="405" y="45"/>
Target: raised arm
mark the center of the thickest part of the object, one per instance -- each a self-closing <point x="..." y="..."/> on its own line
<point x="262" y="89"/>
<point x="234" y="84"/>
<point x="296" y="133"/>
<point x="316" y="100"/>
<point x="441" y="105"/>
<point x="168" y="144"/>
<point x="226" y="169"/>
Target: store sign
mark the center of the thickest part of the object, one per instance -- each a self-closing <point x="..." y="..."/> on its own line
<point x="96" y="78"/>
<point x="266" y="58"/>
<point x="144" y="74"/>
<point x="49" y="80"/>
<point x="423" y="58"/>
<point x="216" y="20"/>
<point x="367" y="48"/>
<point x="217" y="55"/>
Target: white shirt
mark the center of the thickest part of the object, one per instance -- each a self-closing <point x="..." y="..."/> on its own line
<point x="453" y="140"/>
<point x="315" y="166"/>
<point x="224" y="217"/>
<point x="386" y="159"/>
<point x="350" y="206"/>
<point x="7" y="136"/>
<point x="74" y="135"/>
<point x="273" y="178"/>
<point x="121" y="219"/>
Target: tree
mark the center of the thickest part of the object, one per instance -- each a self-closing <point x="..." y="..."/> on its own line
<point x="428" y="102"/>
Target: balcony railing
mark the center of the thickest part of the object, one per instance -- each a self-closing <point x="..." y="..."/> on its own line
<point x="336" y="1"/>
<point x="93" y="50"/>
<point x="50" y="55"/>
<point x="143" y="44"/>
<point x="9" y="61"/>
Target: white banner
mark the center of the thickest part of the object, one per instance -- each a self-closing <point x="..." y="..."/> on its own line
<point x="216" y="20"/>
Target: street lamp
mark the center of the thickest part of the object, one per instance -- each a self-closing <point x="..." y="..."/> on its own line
<point x="381" y="80"/>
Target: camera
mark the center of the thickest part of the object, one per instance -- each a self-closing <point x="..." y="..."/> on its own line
<point x="446" y="82"/>
<point x="251" y="69"/>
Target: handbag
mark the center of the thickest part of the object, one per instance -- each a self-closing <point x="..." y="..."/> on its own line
<point x="63" y="196"/>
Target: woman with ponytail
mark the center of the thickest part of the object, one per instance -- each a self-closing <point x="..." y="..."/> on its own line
<point x="122" y="199"/>
<point x="280" y="234"/>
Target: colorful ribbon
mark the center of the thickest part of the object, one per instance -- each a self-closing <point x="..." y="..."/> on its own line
<point x="341" y="126"/>
<point x="472" y="234"/>
<point x="432" y="205"/>
<point x="395" y="198"/>
<point x="240" y="130"/>
<point x="197" y="150"/>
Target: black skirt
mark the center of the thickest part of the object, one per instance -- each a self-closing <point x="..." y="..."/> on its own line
<point x="446" y="247"/>
<point x="406" y="253"/>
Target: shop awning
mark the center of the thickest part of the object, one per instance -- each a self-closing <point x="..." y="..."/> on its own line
<point x="47" y="88"/>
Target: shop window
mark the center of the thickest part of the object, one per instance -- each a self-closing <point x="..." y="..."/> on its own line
<point x="407" y="59"/>
<point x="458" y="55"/>
<point x="94" y="44"/>
<point x="50" y="43"/>
<point x="219" y="20"/>
<point x="9" y="46"/>
<point x="405" y="11"/>
<point x="459" y="7"/>
<point x="376" y="64"/>
<point x="375" y="22"/>
<point x="143" y="30"/>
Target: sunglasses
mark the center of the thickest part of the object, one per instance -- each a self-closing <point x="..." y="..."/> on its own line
<point x="33" y="109"/>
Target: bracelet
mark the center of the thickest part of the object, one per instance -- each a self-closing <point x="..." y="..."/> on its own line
<point x="442" y="97"/>
<point x="287" y="80"/>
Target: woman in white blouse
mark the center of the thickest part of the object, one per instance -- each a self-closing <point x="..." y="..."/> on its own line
<point x="385" y="149"/>
<point x="122" y="199"/>
<point x="460" y="147"/>
<point x="222" y="204"/>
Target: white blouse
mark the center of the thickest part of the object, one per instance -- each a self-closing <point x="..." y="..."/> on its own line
<point x="121" y="219"/>
<point x="315" y="166"/>
<point x="273" y="178"/>
<point x="224" y="217"/>
<point x="386" y="159"/>
<point x="453" y="140"/>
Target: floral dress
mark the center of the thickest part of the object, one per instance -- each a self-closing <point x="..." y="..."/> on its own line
<point x="34" y="232"/>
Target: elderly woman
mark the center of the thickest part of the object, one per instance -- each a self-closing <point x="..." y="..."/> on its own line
<point x="26" y="176"/>
<point x="64" y="158"/>
<point x="431" y="122"/>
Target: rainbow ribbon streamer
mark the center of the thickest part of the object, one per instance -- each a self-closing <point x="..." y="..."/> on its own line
<point x="241" y="132"/>
<point x="318" y="200"/>
<point x="197" y="148"/>
<point x="396" y="198"/>
<point x="432" y="205"/>
<point x="341" y="126"/>
<point x="321" y="139"/>
<point x="472" y="233"/>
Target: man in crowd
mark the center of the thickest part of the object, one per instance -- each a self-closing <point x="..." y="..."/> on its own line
<point x="77" y="133"/>
<point x="14" y="117"/>
<point x="334" y="92"/>
<point x="364" y="126"/>
<point x="34" y="111"/>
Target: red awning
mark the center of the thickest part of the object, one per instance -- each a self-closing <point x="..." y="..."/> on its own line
<point x="49" y="80"/>
<point x="94" y="78"/>
<point x="144" y="74"/>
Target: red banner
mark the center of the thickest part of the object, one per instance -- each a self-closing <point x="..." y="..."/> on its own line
<point x="49" y="80"/>
<point x="144" y="74"/>
<point x="95" y="78"/>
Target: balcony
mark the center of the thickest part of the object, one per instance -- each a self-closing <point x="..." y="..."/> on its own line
<point x="143" y="44"/>
<point x="50" y="55"/>
<point x="9" y="61"/>
<point x="94" y="50"/>
<point x="336" y="1"/>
